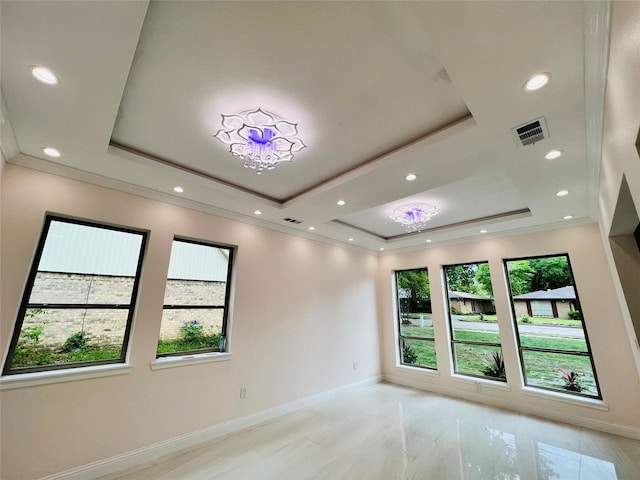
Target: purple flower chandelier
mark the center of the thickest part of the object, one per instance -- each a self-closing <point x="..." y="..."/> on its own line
<point x="414" y="217"/>
<point x="260" y="138"/>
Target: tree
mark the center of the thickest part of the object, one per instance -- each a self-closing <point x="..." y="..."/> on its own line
<point x="416" y="282"/>
<point x="483" y="277"/>
<point x="461" y="278"/>
<point x="550" y="273"/>
<point x="520" y="274"/>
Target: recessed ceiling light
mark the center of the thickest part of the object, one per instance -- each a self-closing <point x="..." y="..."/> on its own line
<point x="341" y="202"/>
<point x="483" y="231"/>
<point x="351" y="239"/>
<point x="178" y="189"/>
<point x="312" y="227"/>
<point x="411" y="177"/>
<point x="257" y="212"/>
<point x="567" y="217"/>
<point x="562" y="193"/>
<point x="537" y="81"/>
<point x="428" y="240"/>
<point x="44" y="75"/>
<point x="51" y="152"/>
<point x="381" y="249"/>
<point x="553" y="154"/>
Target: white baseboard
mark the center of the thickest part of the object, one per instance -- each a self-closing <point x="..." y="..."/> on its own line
<point x="576" y="420"/>
<point x="152" y="452"/>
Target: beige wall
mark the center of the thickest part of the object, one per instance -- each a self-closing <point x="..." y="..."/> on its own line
<point x="620" y="159"/>
<point x="303" y="313"/>
<point x="605" y="326"/>
<point x="563" y="308"/>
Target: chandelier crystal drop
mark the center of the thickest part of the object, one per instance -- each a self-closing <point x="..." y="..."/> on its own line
<point x="414" y="217"/>
<point x="260" y="138"/>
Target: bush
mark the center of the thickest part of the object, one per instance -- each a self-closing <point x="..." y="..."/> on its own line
<point x="29" y="353"/>
<point x="525" y="320"/>
<point x="192" y="337"/>
<point x="574" y="315"/>
<point x="28" y="350"/>
<point x="191" y="330"/>
<point x="77" y="341"/>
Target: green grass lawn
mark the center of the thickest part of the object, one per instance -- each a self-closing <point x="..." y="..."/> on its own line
<point x="32" y="357"/>
<point x="415" y="331"/>
<point x="24" y="358"/>
<point x="540" y="367"/>
<point x="199" y="342"/>
<point x="425" y="352"/>
<point x="29" y="355"/>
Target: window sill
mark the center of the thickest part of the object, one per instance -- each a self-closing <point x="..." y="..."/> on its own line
<point x="172" y="362"/>
<point x="481" y="382"/>
<point x="566" y="398"/>
<point x="23" y="380"/>
<point x="422" y="371"/>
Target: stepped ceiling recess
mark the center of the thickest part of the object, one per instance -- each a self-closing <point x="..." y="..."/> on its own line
<point x="374" y="92"/>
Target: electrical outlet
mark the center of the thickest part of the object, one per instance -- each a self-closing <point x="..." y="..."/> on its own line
<point x="243" y="392"/>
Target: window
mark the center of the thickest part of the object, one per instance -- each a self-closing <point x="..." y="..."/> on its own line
<point x="415" y="322"/>
<point x="194" y="317"/>
<point x="475" y="337"/>
<point x="552" y="338"/>
<point x="78" y="306"/>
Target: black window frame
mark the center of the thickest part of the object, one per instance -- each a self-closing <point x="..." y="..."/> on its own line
<point x="402" y="338"/>
<point x="588" y="353"/>
<point x="25" y="305"/>
<point x="454" y="341"/>
<point x="227" y="296"/>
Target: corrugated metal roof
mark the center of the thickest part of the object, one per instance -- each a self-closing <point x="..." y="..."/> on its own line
<point x="191" y="261"/>
<point x="562" y="293"/>
<point x="74" y="248"/>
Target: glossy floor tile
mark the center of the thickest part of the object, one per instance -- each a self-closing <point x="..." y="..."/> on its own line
<point x="385" y="431"/>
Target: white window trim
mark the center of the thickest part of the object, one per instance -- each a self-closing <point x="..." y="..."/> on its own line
<point x="496" y="384"/>
<point x="423" y="371"/>
<point x="180" y="361"/>
<point x="566" y="398"/>
<point x="23" y="380"/>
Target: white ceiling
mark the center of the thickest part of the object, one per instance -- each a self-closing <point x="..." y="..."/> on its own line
<point x="378" y="90"/>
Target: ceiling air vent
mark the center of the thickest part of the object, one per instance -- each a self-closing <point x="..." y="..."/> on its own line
<point x="292" y="220"/>
<point x="531" y="132"/>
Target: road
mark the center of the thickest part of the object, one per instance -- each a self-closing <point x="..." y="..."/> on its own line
<point x="523" y="327"/>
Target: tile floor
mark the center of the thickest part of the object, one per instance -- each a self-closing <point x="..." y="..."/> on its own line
<point x="385" y="431"/>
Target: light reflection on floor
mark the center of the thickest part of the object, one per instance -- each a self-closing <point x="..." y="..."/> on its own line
<point x="388" y="432"/>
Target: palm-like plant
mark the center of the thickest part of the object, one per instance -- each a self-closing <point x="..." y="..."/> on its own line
<point x="494" y="365"/>
<point x="409" y="355"/>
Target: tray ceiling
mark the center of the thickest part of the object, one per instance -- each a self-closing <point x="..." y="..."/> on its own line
<point x="378" y="90"/>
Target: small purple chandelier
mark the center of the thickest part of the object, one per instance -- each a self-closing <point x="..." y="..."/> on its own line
<point x="414" y="217"/>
